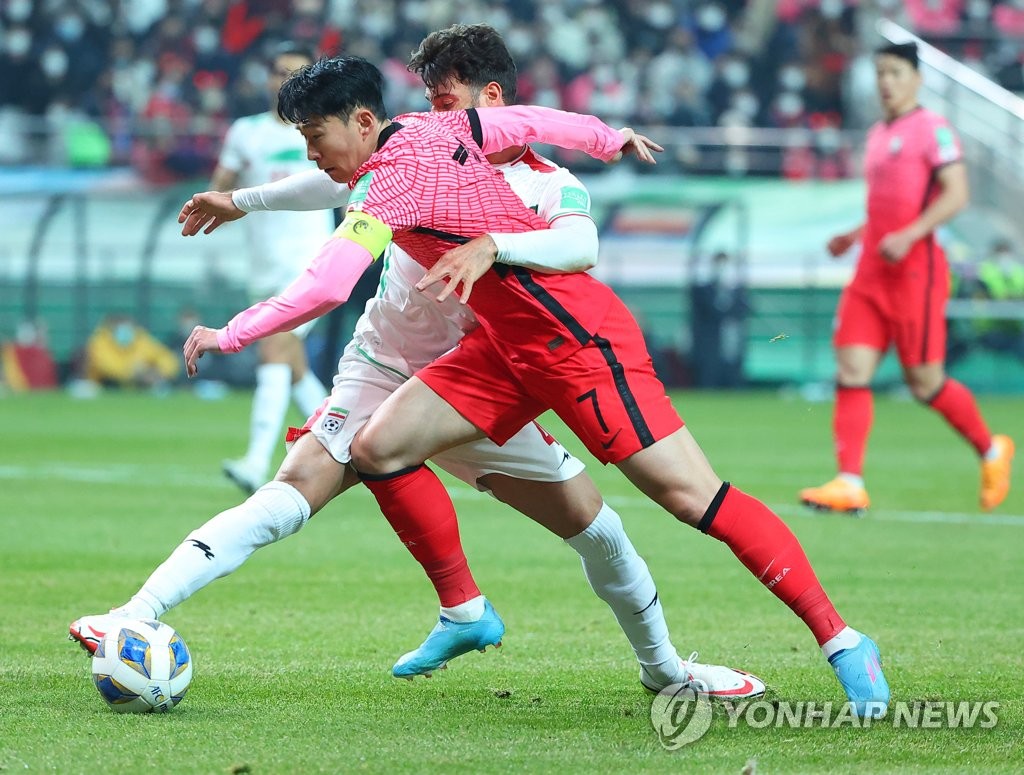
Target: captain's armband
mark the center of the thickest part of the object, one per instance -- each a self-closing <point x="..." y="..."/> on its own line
<point x="365" y="230"/>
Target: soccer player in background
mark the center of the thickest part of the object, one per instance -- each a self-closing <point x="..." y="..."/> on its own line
<point x="401" y="331"/>
<point x="563" y="342"/>
<point x="916" y="181"/>
<point x="259" y="149"/>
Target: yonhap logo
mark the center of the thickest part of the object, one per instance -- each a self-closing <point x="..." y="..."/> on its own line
<point x="680" y="716"/>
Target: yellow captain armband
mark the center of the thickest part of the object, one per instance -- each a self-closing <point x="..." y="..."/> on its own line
<point x="365" y="230"/>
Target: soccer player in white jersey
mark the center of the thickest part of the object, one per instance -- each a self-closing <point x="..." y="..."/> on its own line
<point x="401" y="331"/>
<point x="260" y="149"/>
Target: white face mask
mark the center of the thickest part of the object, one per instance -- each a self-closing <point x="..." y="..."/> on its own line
<point x="19" y="10"/>
<point x="711" y="18"/>
<point x="789" y="105"/>
<point x="54" y="63"/>
<point x="831" y="9"/>
<point x="18" y="42"/>
<point x="205" y="39"/>
<point x="735" y="73"/>
<point x="746" y="103"/>
<point x="124" y="334"/>
<point x="70" y="27"/>
<point x="792" y="78"/>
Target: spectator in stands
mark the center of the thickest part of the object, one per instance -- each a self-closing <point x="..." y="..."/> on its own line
<point x="1001" y="278"/>
<point x="120" y="353"/>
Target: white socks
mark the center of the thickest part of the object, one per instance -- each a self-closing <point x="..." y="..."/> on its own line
<point x="269" y="406"/>
<point x="308" y="393"/>
<point x="470" y="611"/>
<point x="854" y="479"/>
<point x="846" y="638"/>
<point x="275" y="511"/>
<point x="619" y="576"/>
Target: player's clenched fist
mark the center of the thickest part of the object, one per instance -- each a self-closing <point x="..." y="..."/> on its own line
<point x="209" y="209"/>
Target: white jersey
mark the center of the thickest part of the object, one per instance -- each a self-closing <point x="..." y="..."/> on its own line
<point x="261" y="149"/>
<point x="404" y="329"/>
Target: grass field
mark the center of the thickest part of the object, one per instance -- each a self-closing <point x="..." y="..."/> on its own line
<point x="292" y="653"/>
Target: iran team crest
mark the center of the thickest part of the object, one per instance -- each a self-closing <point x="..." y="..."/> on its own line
<point x="334" y="419"/>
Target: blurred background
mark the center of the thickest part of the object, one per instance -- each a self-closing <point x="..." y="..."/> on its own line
<point x="113" y="112"/>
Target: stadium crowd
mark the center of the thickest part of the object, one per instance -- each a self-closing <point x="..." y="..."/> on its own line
<point x="156" y="82"/>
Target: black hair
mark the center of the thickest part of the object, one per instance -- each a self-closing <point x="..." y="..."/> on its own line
<point x="474" y="54"/>
<point x="290" y="48"/>
<point x="332" y="86"/>
<point x="905" y="51"/>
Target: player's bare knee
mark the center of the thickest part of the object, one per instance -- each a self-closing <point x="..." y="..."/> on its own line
<point x="371" y="454"/>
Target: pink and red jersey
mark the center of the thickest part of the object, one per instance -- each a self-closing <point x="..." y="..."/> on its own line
<point x="901" y="162"/>
<point x="431" y="184"/>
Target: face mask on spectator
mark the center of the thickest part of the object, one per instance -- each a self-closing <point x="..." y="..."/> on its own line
<point x="18" y="42"/>
<point x="205" y="39"/>
<point x="124" y="334"/>
<point x="54" y="63"/>
<point x="792" y="78"/>
<point x="831" y="9"/>
<point x="735" y="73"/>
<point x="710" y="18"/>
<point x="746" y="103"/>
<point x="789" y="105"/>
<point x="70" y="27"/>
<point x="19" y="10"/>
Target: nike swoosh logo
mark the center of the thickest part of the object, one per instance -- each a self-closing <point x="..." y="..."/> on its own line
<point x="740" y="691"/>
<point x="606" y="446"/>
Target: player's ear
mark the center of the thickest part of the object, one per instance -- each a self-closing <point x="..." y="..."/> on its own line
<point x="492" y="95"/>
<point x="365" y="120"/>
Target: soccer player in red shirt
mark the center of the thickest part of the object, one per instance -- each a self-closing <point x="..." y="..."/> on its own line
<point x="545" y="341"/>
<point x="916" y="181"/>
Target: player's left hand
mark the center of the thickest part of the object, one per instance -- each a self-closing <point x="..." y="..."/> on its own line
<point x="201" y="340"/>
<point x="895" y="245"/>
<point x="638" y="145"/>
<point x="465" y="264"/>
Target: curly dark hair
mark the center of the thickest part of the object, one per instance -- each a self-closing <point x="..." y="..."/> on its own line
<point x="474" y="54"/>
<point x="332" y="86"/>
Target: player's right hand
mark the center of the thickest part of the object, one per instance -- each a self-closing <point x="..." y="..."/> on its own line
<point x="209" y="209"/>
<point x="841" y="243"/>
<point x="201" y="340"/>
<point x="638" y="145"/>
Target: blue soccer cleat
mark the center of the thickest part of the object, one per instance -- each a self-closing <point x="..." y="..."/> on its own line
<point x="448" y="640"/>
<point x="859" y="670"/>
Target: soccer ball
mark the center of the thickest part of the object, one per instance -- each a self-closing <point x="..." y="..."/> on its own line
<point x="142" y="666"/>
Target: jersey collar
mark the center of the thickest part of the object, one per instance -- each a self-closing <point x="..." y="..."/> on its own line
<point x="386" y="133"/>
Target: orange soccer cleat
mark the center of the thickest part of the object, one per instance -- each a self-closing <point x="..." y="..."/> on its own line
<point x="837" y="495"/>
<point x="995" y="473"/>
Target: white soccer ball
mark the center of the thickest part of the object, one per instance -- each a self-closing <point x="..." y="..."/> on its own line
<point x="142" y="666"/>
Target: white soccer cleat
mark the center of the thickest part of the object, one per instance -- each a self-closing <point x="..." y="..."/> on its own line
<point x="722" y="683"/>
<point x="244" y="474"/>
<point x="88" y="631"/>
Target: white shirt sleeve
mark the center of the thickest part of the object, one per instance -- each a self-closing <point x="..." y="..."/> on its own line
<point x="570" y="245"/>
<point x="313" y="190"/>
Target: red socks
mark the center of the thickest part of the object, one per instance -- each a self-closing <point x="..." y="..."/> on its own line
<point x="956" y="403"/>
<point x="422" y="515"/>
<point x="770" y="551"/>
<point x="851" y="424"/>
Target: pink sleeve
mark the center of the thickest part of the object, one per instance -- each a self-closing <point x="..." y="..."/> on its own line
<point x="502" y="128"/>
<point x="325" y="283"/>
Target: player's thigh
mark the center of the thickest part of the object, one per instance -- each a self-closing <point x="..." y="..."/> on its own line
<point x="675" y="474"/>
<point x="478" y="383"/>
<point x="607" y="392"/>
<point x="861" y="327"/>
<point x="920" y="332"/>
<point x="412" y="425"/>
<point x="311" y="469"/>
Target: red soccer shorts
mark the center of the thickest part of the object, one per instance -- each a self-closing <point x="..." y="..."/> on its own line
<point x="908" y="312"/>
<point x="606" y="392"/>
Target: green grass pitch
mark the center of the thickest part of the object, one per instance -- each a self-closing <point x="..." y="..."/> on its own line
<point x="292" y="653"/>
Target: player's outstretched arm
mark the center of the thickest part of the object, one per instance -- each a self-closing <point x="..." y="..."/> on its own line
<point x="504" y="127"/>
<point x="570" y="245"/>
<point x="209" y="209"/>
<point x="325" y="283"/>
<point x="312" y="190"/>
